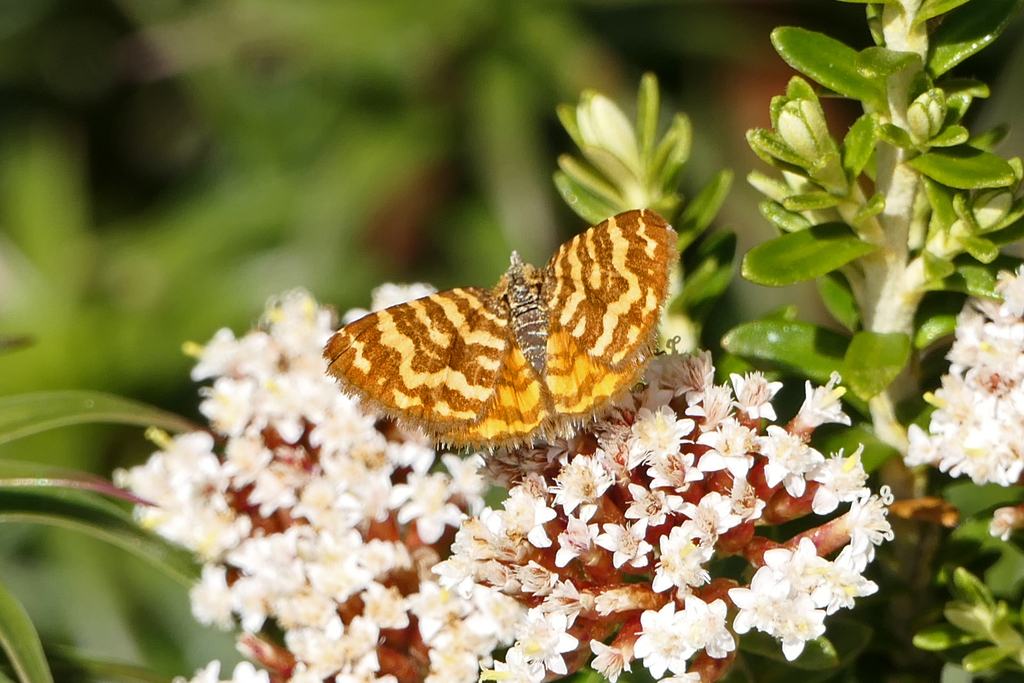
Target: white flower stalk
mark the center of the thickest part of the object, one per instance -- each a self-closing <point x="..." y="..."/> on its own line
<point x="977" y="429"/>
<point x="319" y="524"/>
<point x="613" y="537"/>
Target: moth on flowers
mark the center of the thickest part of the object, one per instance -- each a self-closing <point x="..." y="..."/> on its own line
<point x="541" y="353"/>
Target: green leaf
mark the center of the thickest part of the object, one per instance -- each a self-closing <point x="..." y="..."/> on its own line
<point x="771" y="187"/>
<point x="873" y="360"/>
<point x="961" y="205"/>
<point x="593" y="183"/>
<point x="20" y="641"/>
<point x="26" y="414"/>
<point x="987" y="658"/>
<point x="672" y="153"/>
<point x="936" y="268"/>
<point x="709" y="272"/>
<point x="881" y="62"/>
<point x="873" y="207"/>
<point x="962" y="85"/>
<point x="977" y="279"/>
<point x="829" y="62"/>
<point x="803" y="255"/>
<point x="102" y="669"/>
<point x="935" y="319"/>
<point x="941" y="199"/>
<point x="1017" y="164"/>
<point x="895" y="136"/>
<point x="950" y="136"/>
<point x="611" y="166"/>
<point x="774" y="151"/>
<point x="965" y="168"/>
<point x="968" y="30"/>
<point x="99" y="518"/>
<point x="933" y="8"/>
<point x="699" y="213"/>
<point x="588" y="205"/>
<point x="970" y="589"/>
<point x="990" y="138"/>
<point x="567" y="116"/>
<point x="1009" y="235"/>
<point x="818" y="655"/>
<point x="808" y="350"/>
<point x="810" y="201"/>
<point x="835" y="293"/>
<point x="16" y="473"/>
<point x="859" y="144"/>
<point x="980" y="248"/>
<point x="960" y="92"/>
<point x="784" y="220"/>
<point x="647" y="111"/>
<point x="799" y="89"/>
<point x="833" y="438"/>
<point x="942" y="637"/>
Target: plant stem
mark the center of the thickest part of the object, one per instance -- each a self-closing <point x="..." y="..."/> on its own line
<point x="892" y="292"/>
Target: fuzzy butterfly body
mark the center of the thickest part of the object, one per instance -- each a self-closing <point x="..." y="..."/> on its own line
<point x="539" y="354"/>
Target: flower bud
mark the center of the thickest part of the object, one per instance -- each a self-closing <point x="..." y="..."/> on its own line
<point x="801" y="124"/>
<point x="602" y="124"/>
<point x="926" y="114"/>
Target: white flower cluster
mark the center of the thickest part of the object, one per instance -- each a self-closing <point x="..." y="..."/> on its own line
<point x="317" y="523"/>
<point x="614" y="534"/>
<point x="977" y="430"/>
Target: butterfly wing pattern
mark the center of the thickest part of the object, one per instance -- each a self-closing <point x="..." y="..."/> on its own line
<point x="542" y="352"/>
<point x="607" y="286"/>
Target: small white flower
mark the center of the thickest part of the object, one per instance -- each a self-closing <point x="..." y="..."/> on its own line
<point x="868" y="526"/>
<point x="731" y="446"/>
<point x="842" y="481"/>
<point x="426" y="500"/>
<point x="208" y="674"/>
<point x="711" y="517"/>
<point x="526" y="516"/>
<point x="627" y="544"/>
<point x="515" y="669"/>
<point x="682" y="560"/>
<point x="789" y="460"/>
<point x="686" y="374"/>
<point x="609" y="661"/>
<point x="754" y="394"/>
<point x="652" y="506"/>
<point x="664" y="642"/>
<point x="821" y="406"/>
<point x="543" y="638"/>
<point x="757" y="603"/>
<point x="577" y="539"/>
<point x="581" y="483"/>
<point x="657" y="433"/>
<point x="715" y="407"/>
<point x="705" y="627"/>
<point x="796" y="622"/>
<point x="211" y="597"/>
<point x="245" y="672"/>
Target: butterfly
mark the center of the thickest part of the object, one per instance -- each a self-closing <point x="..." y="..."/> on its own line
<point x="532" y="359"/>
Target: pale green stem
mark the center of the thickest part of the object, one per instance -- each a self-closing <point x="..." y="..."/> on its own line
<point x="891" y="291"/>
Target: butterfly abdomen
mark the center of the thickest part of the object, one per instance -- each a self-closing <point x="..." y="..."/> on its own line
<point x="521" y="288"/>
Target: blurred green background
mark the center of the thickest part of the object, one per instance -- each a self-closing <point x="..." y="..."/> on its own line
<point x="166" y="165"/>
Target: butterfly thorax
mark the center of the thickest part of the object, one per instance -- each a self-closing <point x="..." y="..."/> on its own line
<point x="521" y="287"/>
